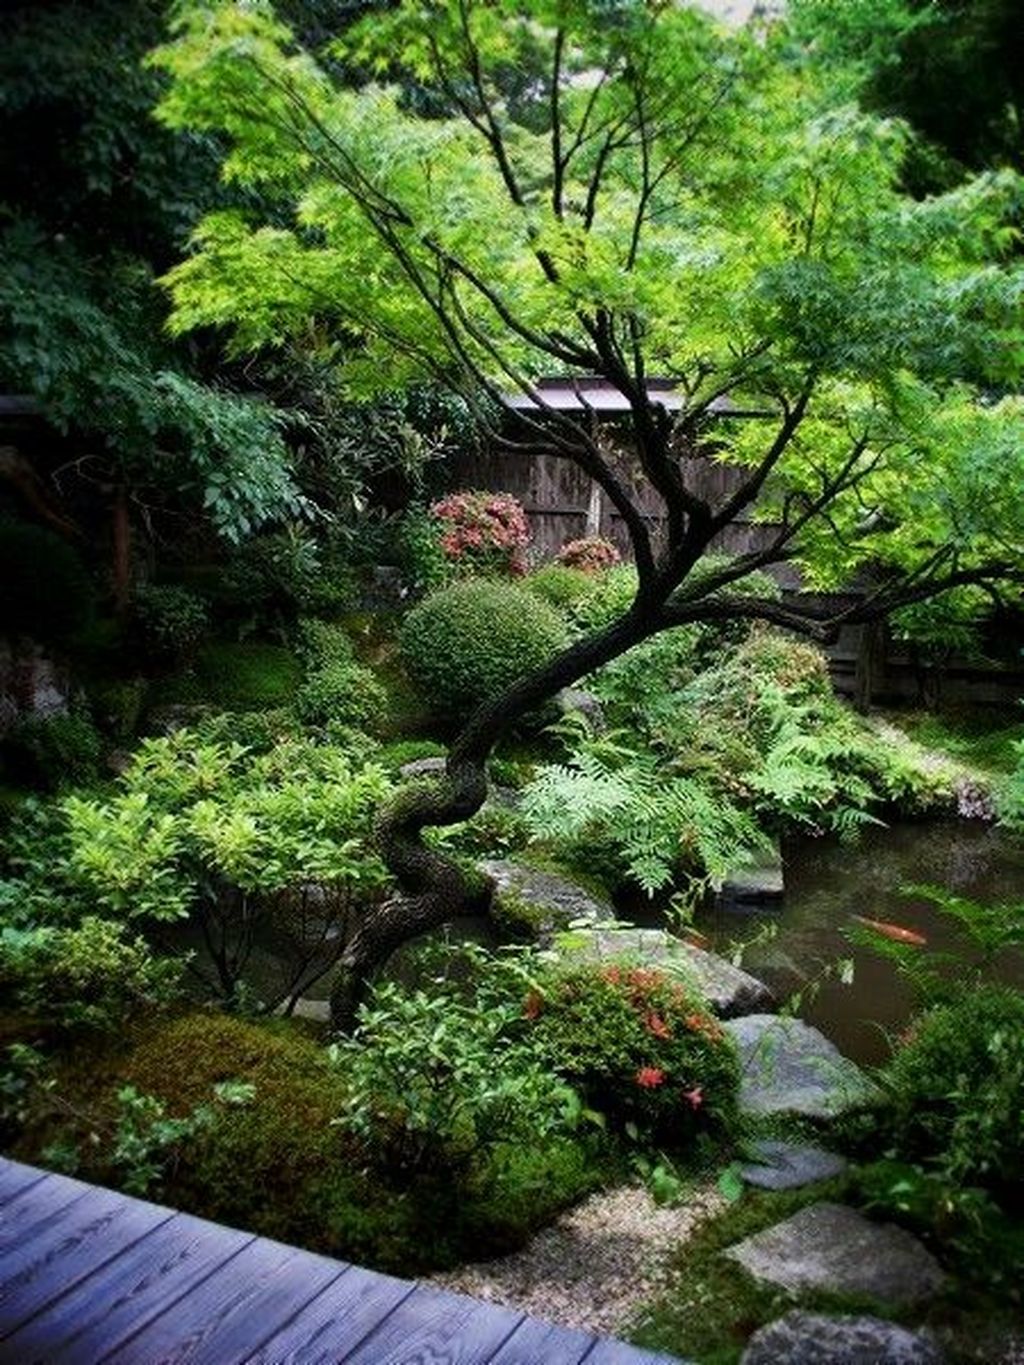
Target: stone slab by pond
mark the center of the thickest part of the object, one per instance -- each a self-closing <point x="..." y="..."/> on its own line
<point x="758" y="885"/>
<point x="560" y="901"/>
<point x="790" y="1068"/>
<point x="788" y="1165"/>
<point x="815" y="1339"/>
<point x="836" y="1249"/>
<point x="728" y="990"/>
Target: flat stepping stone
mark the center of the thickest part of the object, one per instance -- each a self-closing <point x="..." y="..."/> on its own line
<point x="788" y="1165"/>
<point x="834" y="1248"/>
<point x="814" y="1339"/>
<point x="728" y="990"/>
<point x="788" y="1067"/>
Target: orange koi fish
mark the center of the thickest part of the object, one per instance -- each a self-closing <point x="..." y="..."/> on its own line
<point x="894" y="931"/>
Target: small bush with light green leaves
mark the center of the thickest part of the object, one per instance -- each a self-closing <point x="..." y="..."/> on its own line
<point x="92" y="975"/>
<point x="956" y="1082"/>
<point x="435" y="1082"/>
<point x="208" y="830"/>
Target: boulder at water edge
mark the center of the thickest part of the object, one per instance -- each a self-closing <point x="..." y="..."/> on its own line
<point x="545" y="903"/>
<point x="790" y="1068"/>
<point x="814" y="1339"/>
<point x="728" y="990"/>
<point x="836" y="1249"/>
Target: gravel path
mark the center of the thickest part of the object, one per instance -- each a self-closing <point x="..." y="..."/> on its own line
<point x="594" y="1265"/>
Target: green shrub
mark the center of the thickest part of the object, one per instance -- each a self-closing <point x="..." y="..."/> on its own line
<point x="956" y="1086"/>
<point x="610" y="597"/>
<point x="469" y="642"/>
<point x="435" y="1081"/>
<point x="234" y="840"/>
<point x="258" y="731"/>
<point x="346" y="693"/>
<point x="117" y="704"/>
<point x="50" y="752"/>
<point x="559" y="585"/>
<point x="274" y="578"/>
<point x="322" y="642"/>
<point x="640" y="1047"/>
<point x="48" y="594"/>
<point x="93" y="975"/>
<point x="170" y="620"/>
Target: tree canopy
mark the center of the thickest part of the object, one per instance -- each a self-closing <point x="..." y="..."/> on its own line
<point x="630" y="191"/>
<point x="520" y="187"/>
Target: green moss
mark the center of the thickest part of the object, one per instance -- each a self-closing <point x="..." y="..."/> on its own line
<point x="521" y="920"/>
<point x="280" y="1167"/>
<point x="236" y="677"/>
<point x="980" y="738"/>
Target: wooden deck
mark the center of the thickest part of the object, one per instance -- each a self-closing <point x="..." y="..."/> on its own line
<point x="89" y="1275"/>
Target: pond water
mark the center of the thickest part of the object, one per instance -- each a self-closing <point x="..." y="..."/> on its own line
<point x="828" y="883"/>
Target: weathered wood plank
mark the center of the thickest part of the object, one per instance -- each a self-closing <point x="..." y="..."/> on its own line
<point x="337" y="1321"/>
<point x="37" y="1206"/>
<point x="234" y="1310"/>
<point x="51" y="1260"/>
<point x="88" y="1274"/>
<point x="534" y="1341"/>
<point x="433" y="1327"/>
<point x="608" y="1351"/>
<point x="16" y="1178"/>
<point x="109" y="1306"/>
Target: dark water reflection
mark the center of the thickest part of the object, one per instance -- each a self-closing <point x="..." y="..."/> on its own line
<point x="827" y="883"/>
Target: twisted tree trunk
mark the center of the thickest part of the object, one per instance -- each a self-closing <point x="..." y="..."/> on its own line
<point x="432" y="888"/>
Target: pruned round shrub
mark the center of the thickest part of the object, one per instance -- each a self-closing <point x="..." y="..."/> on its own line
<point x="590" y="554"/>
<point x="641" y="1048"/>
<point x="469" y="642"/>
<point x="956" y="1085"/>
<point x="560" y="586"/>
<point x="344" y="692"/>
<point x="170" y="620"/>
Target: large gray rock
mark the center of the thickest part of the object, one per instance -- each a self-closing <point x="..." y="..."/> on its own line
<point x="836" y="1249"/>
<point x="575" y="700"/>
<point x="542" y="902"/>
<point x="788" y="1165"/>
<point x="790" y="1068"/>
<point x="758" y="885"/>
<point x="728" y="990"/>
<point x="814" y="1339"/>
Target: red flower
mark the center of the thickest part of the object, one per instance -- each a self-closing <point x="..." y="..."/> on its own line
<point x="656" y="1026"/>
<point x="612" y="975"/>
<point x="649" y="1077"/>
<point x="644" y="978"/>
<point x="694" y="1097"/>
